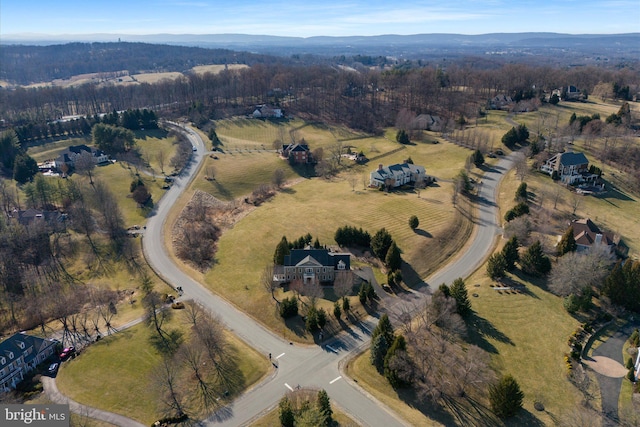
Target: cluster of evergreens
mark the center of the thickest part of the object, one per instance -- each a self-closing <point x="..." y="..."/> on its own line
<point x="352" y="236"/>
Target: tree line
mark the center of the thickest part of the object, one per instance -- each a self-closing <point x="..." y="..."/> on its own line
<point x="369" y="99"/>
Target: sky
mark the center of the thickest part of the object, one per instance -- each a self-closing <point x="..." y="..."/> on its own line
<point x="320" y="18"/>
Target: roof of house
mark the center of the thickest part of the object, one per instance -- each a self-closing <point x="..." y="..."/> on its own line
<point x="17" y="343"/>
<point x="570" y="158"/>
<point x="392" y="170"/>
<point x="315" y="257"/>
<point x="585" y="232"/>
<point x="30" y="215"/>
<point x="66" y="155"/>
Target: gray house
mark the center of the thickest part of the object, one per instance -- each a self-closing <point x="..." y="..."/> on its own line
<point x="20" y="354"/>
<point x="397" y="175"/>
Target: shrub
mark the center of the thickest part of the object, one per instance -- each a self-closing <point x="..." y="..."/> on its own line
<point x="414" y="222"/>
<point x="629" y="363"/>
<point x="631" y="375"/>
<point x="177" y="305"/>
<point x="289" y="307"/>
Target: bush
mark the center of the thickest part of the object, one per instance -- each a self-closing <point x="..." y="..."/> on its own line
<point x="631" y="375"/>
<point x="629" y="363"/>
<point x="177" y="305"/>
<point x="289" y="307"/>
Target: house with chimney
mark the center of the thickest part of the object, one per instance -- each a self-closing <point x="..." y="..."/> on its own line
<point x="20" y="354"/>
<point x="587" y="234"/>
<point x="397" y="175"/>
<point x="572" y="168"/>
<point x="310" y="265"/>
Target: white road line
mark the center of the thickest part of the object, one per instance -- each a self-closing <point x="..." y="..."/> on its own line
<point x="288" y="386"/>
<point x="278" y="357"/>
<point x="335" y="379"/>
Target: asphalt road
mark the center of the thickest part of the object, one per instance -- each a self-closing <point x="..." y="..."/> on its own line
<point x="296" y="365"/>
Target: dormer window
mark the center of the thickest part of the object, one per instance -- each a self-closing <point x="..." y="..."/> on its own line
<point x="21" y="345"/>
<point x="2" y="360"/>
<point x="10" y="355"/>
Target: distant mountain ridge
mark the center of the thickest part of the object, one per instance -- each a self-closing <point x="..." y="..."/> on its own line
<point x="221" y="40"/>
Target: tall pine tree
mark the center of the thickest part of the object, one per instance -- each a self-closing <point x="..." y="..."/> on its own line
<point x="567" y="243"/>
<point x="458" y="291"/>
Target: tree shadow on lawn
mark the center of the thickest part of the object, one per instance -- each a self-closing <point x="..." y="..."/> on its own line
<point x="222" y="190"/>
<point x="518" y="286"/>
<point x="540" y="282"/>
<point x="480" y="330"/>
<point x="297" y="326"/>
<point x="423" y="233"/>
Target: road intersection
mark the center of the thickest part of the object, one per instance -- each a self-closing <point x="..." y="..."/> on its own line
<point x="310" y="366"/>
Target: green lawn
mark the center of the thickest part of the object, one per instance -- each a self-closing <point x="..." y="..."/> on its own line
<point x="117" y="373"/>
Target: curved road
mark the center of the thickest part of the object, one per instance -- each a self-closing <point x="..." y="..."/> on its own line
<point x="306" y="366"/>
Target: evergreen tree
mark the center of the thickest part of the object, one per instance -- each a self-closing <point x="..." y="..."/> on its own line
<point x="337" y="311"/>
<point x="24" y="168"/>
<point x="459" y="293"/>
<point x="506" y="397"/>
<point x="379" y="348"/>
<point x="384" y="327"/>
<point x="496" y="266"/>
<point x="521" y="192"/>
<point x="362" y="293"/>
<point x="380" y="243"/>
<point x="321" y="318"/>
<point x="567" y="243"/>
<point x="402" y="137"/>
<point x="510" y="138"/>
<point x="445" y="290"/>
<point x="346" y="305"/>
<point x="399" y="344"/>
<point x="213" y="137"/>
<point x="414" y="222"/>
<point x="510" y="252"/>
<point x="282" y="249"/>
<point x="393" y="259"/>
<point x="287" y="418"/>
<point x="311" y="320"/>
<point x="477" y="158"/>
<point x="523" y="133"/>
<point x="316" y="244"/>
<point x="534" y="262"/>
<point x="324" y="407"/>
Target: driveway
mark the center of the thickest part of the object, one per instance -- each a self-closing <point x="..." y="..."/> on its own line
<point x="608" y="364"/>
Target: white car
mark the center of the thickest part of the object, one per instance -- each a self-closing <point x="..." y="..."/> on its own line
<point x="53" y="367"/>
<point x="195" y="148"/>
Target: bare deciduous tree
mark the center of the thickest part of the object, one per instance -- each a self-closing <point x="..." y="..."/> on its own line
<point x="267" y="281"/>
<point x="278" y="178"/>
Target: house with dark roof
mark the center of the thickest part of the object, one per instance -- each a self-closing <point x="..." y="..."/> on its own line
<point x="297" y="153"/>
<point x="397" y="175"/>
<point x="572" y="168"/>
<point x="587" y="234"/>
<point x="20" y="354"/>
<point x="312" y="266"/>
<point x="70" y="155"/>
<point x="36" y="216"/>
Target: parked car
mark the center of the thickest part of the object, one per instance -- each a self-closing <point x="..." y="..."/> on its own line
<point x="53" y="367"/>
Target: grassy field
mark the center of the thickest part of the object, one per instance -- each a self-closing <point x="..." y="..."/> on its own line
<point x="117" y="373"/>
<point x="251" y="241"/>
<point x="216" y="68"/>
<point x="51" y="150"/>
<point x="155" y="77"/>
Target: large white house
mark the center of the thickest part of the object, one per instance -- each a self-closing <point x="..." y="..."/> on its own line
<point x="397" y="175"/>
<point x="70" y="155"/>
<point x="572" y="168"/>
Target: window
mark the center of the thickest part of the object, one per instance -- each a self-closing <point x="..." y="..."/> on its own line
<point x="20" y="344"/>
<point x="3" y="360"/>
<point x="309" y="270"/>
<point x="11" y="355"/>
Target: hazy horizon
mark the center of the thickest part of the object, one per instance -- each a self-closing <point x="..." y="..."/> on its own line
<point x="40" y="19"/>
